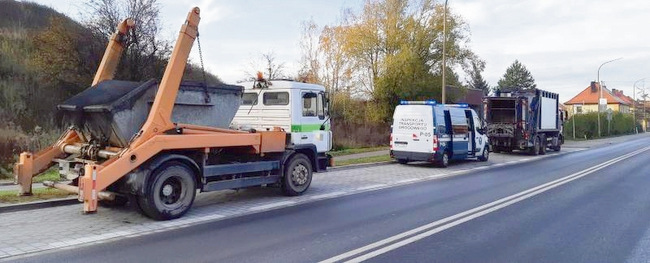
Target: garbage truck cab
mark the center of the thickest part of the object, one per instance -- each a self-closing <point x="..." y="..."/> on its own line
<point x="432" y="132"/>
<point x="300" y="109"/>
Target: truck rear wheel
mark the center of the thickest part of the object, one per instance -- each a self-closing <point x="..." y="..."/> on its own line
<point x="169" y="192"/>
<point x="542" y="145"/>
<point x="297" y="175"/>
<point x="535" y="149"/>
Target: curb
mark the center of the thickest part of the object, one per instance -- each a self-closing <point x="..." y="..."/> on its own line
<point x="359" y="165"/>
<point x="38" y="204"/>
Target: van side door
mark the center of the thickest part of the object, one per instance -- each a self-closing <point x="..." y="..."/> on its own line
<point x="460" y="133"/>
<point x="471" y="142"/>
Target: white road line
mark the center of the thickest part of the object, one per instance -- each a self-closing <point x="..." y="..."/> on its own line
<point x="406" y="181"/>
<point x="328" y="195"/>
<point x="411" y="236"/>
<point x="368" y="187"/>
<point x="272" y="205"/>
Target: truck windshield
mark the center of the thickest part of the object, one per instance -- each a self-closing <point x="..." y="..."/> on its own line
<point x="502" y="111"/>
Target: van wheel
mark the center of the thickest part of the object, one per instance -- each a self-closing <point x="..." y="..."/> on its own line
<point x="297" y="175"/>
<point x="557" y="148"/>
<point x="169" y="192"/>
<point x="535" y="149"/>
<point x="485" y="155"/>
<point x="444" y="160"/>
<point x="402" y="161"/>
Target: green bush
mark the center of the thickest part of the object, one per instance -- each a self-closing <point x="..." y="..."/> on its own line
<point x="586" y="125"/>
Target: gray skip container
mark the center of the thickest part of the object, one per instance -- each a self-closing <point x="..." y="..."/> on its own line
<point x="113" y="111"/>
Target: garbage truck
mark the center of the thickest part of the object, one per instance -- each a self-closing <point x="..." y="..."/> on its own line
<point x="524" y="120"/>
<point x="154" y="143"/>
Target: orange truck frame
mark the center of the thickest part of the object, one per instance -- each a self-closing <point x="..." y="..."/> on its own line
<point x="166" y="162"/>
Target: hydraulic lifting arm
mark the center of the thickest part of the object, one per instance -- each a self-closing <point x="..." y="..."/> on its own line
<point x="160" y="115"/>
<point x="30" y="164"/>
<point x="113" y="52"/>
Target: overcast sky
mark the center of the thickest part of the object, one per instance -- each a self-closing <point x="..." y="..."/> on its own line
<point x="562" y="43"/>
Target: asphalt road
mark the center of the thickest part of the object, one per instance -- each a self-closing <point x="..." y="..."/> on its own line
<point x="586" y="215"/>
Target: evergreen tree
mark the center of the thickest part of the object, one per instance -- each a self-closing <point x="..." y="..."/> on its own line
<point x="476" y="80"/>
<point x="516" y="78"/>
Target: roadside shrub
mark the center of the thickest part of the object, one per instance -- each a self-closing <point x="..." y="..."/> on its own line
<point x="356" y="135"/>
<point x="586" y="125"/>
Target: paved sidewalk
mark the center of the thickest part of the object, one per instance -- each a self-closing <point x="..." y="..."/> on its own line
<point x="603" y="141"/>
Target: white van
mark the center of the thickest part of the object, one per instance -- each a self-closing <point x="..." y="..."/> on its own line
<point x="431" y="132"/>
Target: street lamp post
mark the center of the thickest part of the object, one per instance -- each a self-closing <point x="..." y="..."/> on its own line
<point x="634" y="104"/>
<point x="444" y="44"/>
<point x="600" y="88"/>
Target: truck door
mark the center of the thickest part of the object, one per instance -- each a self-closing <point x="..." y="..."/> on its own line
<point x="313" y="115"/>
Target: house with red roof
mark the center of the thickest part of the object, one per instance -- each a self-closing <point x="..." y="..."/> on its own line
<point x="587" y="100"/>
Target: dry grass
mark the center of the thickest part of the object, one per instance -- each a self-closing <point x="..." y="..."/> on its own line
<point x="11" y="196"/>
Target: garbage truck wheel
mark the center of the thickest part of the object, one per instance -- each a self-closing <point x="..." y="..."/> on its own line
<point x="169" y="192"/>
<point x="535" y="149"/>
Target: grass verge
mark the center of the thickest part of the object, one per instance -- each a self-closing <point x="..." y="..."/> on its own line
<point x="11" y="196"/>
<point x="372" y="159"/>
<point x="357" y="150"/>
<point x="51" y="174"/>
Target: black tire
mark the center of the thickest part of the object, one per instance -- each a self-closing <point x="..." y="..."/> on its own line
<point x="444" y="160"/>
<point x="402" y="161"/>
<point x="535" y="149"/>
<point x="297" y="175"/>
<point x="485" y="155"/>
<point x="557" y="148"/>
<point x="119" y="201"/>
<point x="169" y="192"/>
<point x="543" y="144"/>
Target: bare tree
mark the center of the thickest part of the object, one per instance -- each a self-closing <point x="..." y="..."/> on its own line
<point x="310" y="60"/>
<point x="146" y="53"/>
<point x="267" y="64"/>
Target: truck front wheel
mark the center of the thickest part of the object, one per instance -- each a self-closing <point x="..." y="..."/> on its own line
<point x="297" y="175"/>
<point x="169" y="192"/>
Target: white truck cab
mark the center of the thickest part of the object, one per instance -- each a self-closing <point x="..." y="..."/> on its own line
<point x="301" y="109"/>
<point x="432" y="132"/>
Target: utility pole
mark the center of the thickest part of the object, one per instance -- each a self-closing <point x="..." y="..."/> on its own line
<point x="634" y="102"/>
<point x="600" y="88"/>
<point x="444" y="45"/>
